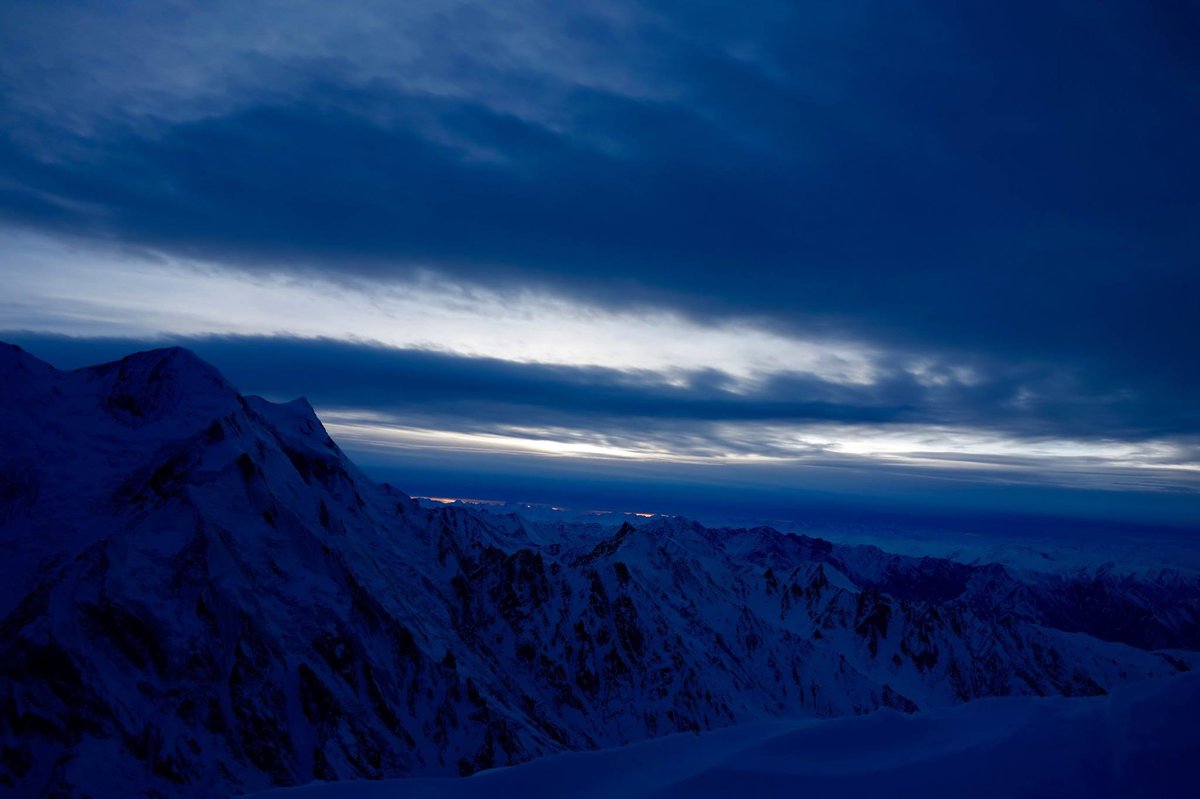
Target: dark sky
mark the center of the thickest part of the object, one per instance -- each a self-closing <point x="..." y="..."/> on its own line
<point x="911" y="252"/>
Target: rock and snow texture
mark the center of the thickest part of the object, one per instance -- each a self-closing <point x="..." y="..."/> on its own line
<point x="1140" y="742"/>
<point x="202" y="596"/>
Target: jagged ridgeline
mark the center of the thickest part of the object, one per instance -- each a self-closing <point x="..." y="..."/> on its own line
<point x="203" y="596"/>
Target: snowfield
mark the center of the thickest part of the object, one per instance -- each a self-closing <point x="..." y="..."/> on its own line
<point x="1142" y="741"/>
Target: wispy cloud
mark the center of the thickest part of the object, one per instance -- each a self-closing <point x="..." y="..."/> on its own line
<point x="905" y="178"/>
<point x="979" y="427"/>
<point x="870" y="236"/>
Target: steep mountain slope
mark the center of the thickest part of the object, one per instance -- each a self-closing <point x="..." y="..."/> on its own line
<point x="204" y="596"/>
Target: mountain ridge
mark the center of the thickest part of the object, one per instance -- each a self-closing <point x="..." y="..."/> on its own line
<point x="209" y="597"/>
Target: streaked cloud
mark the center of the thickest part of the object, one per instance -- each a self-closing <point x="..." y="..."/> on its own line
<point x="402" y="406"/>
<point x="55" y="288"/>
<point x="803" y="241"/>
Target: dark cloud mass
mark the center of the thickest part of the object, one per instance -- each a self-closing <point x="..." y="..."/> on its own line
<point x="461" y="395"/>
<point x="487" y="391"/>
<point x="1009" y="186"/>
<point x="1012" y="177"/>
<point x="706" y="418"/>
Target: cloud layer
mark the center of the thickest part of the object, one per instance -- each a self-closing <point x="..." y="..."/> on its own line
<point x="869" y="221"/>
<point x="1018" y="180"/>
<point x="384" y="397"/>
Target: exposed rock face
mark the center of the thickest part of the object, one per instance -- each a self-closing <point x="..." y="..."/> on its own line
<point x="203" y="596"/>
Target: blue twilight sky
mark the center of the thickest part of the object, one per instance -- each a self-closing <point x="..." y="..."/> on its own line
<point x="924" y="254"/>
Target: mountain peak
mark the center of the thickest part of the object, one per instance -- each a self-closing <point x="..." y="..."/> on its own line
<point x="298" y="418"/>
<point x="14" y="359"/>
<point x="176" y="358"/>
<point x="608" y="546"/>
<point x="147" y="385"/>
<point x="24" y="379"/>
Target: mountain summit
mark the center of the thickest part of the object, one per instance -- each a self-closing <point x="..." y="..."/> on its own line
<point x="203" y="596"/>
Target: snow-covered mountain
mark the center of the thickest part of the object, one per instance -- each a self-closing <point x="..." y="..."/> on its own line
<point x="203" y="596"/>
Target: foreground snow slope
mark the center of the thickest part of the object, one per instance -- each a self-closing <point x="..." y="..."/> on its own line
<point x="1140" y="741"/>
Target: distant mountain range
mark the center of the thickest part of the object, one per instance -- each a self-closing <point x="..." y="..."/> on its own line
<point x="202" y="596"/>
